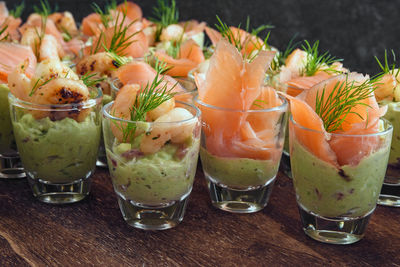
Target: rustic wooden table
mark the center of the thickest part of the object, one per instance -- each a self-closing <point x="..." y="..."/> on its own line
<point x="93" y="232"/>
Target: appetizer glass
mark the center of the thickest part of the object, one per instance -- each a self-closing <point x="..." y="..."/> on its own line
<point x="285" y="161"/>
<point x="336" y="203"/>
<point x="240" y="184"/>
<point x="58" y="145"/>
<point x="153" y="188"/>
<point x="390" y="194"/>
<point x="10" y="163"/>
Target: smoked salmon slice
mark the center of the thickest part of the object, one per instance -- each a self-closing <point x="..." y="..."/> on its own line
<point x="12" y="55"/>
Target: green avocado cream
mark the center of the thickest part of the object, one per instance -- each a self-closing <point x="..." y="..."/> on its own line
<point x="351" y="191"/>
<point x="154" y="179"/>
<point x="57" y="151"/>
<point x="238" y="173"/>
<point x="393" y="115"/>
<point x="7" y="141"/>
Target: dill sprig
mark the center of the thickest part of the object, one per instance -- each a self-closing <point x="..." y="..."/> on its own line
<point x="149" y="97"/>
<point x="120" y="39"/>
<point x="164" y="13"/>
<point x="175" y="47"/>
<point x="386" y="68"/>
<point x="38" y="84"/>
<point x="44" y="10"/>
<point x="240" y="43"/>
<point x="316" y="61"/>
<point x="91" y="79"/>
<point x="280" y="58"/>
<point x="17" y="11"/>
<point x="335" y="107"/>
<point x="105" y="16"/>
<point x="3" y="30"/>
<point x="118" y="61"/>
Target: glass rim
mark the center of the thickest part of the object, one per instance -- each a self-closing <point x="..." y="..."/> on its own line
<point x="114" y="87"/>
<point x="281" y="107"/>
<point x="385" y="131"/>
<point x="107" y="114"/>
<point x="58" y="107"/>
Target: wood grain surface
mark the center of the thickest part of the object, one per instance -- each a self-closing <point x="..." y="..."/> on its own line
<point x="93" y="233"/>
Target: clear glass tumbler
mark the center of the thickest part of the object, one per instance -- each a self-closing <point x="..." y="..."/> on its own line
<point x="153" y="184"/>
<point x="10" y="162"/>
<point x="240" y="154"/>
<point x="336" y="201"/>
<point x="58" y="145"/>
<point x="390" y="194"/>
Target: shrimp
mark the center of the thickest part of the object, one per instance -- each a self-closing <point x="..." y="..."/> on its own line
<point x="173" y="32"/>
<point x="177" y="132"/>
<point x="161" y="109"/>
<point x="61" y="91"/>
<point x="18" y="82"/>
<point x="31" y="38"/>
<point x="65" y="22"/>
<point x="386" y="87"/>
<point x="53" y="68"/>
<point x="50" y="48"/>
<point x="101" y="63"/>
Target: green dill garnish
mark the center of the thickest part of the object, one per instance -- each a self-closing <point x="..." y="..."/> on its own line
<point x="175" y="48"/>
<point x="65" y="34"/>
<point x="118" y="61"/>
<point x="280" y="58"/>
<point x="334" y="108"/>
<point x="91" y="79"/>
<point x="164" y="14"/>
<point x="105" y="16"/>
<point x="149" y="97"/>
<point x="120" y="39"/>
<point x="386" y="68"/>
<point x="3" y="30"/>
<point x="17" y="11"/>
<point x="38" y="84"/>
<point x="44" y="10"/>
<point x="238" y="41"/>
<point x="316" y="61"/>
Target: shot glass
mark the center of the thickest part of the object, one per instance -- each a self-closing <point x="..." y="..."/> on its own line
<point x="152" y="188"/>
<point x="336" y="202"/>
<point x="240" y="166"/>
<point x="390" y="194"/>
<point x="285" y="161"/>
<point x="58" y="145"/>
<point x="10" y="163"/>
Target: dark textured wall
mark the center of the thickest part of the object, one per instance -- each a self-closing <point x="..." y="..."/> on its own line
<point x="354" y="30"/>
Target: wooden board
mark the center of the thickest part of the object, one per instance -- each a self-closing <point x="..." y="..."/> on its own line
<point x="93" y="232"/>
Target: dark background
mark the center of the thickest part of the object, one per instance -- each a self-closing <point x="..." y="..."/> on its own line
<point x="355" y="30"/>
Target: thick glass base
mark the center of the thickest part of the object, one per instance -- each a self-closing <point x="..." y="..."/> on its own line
<point x="340" y="231"/>
<point x="152" y="217"/>
<point x="285" y="165"/>
<point x="65" y="193"/>
<point x="239" y="201"/>
<point x="390" y="195"/>
<point x="11" y="167"/>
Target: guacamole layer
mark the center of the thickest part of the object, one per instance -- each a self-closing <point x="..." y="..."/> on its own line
<point x="393" y="115"/>
<point x="351" y="191"/>
<point x="154" y="179"/>
<point x="7" y="142"/>
<point x="58" y="151"/>
<point x="238" y="173"/>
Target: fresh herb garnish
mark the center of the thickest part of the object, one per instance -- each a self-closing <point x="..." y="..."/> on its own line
<point x="334" y="108"/>
<point x="280" y="57"/>
<point x="3" y="30"/>
<point x="164" y="14"/>
<point x="386" y="68"/>
<point x="17" y="11"/>
<point x="175" y="48"/>
<point x="149" y="97"/>
<point x="44" y="10"/>
<point x="316" y="61"/>
<point x="105" y="16"/>
<point x="91" y="79"/>
<point x="242" y="43"/>
<point x="118" y="61"/>
<point x="38" y="84"/>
